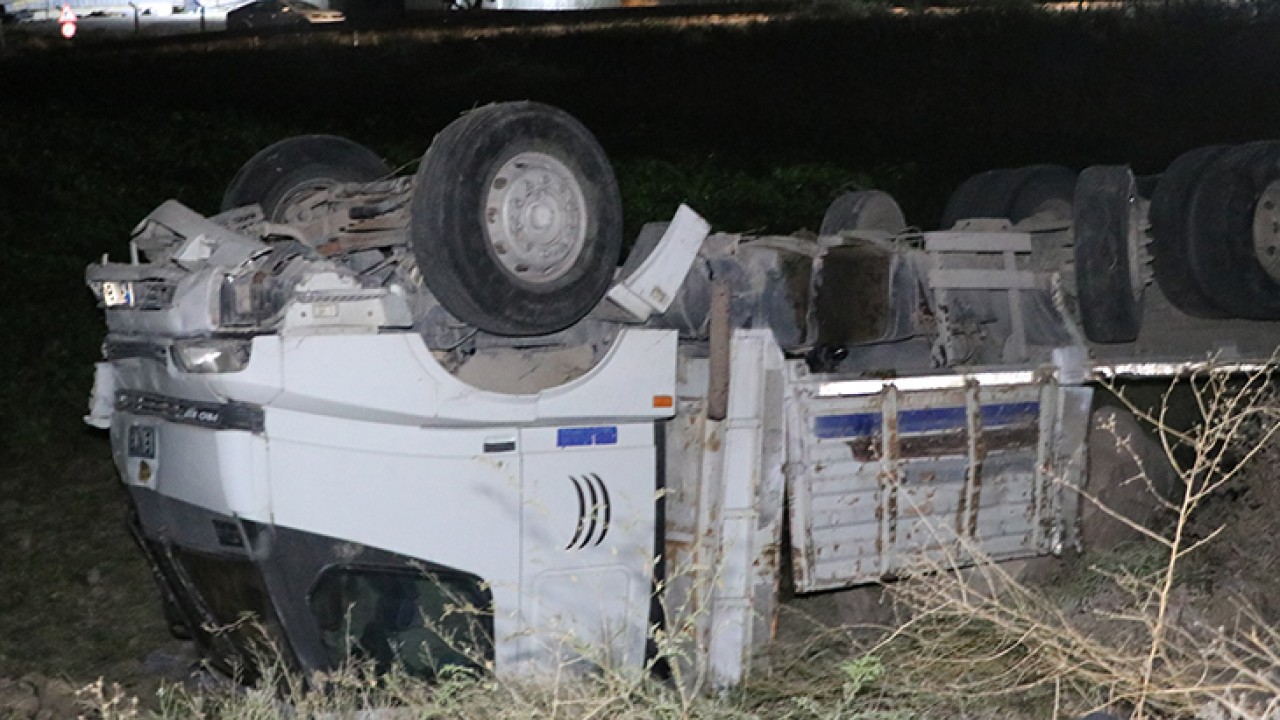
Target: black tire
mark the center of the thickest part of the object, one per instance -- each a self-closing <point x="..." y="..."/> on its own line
<point x="1146" y="185"/>
<point x="1107" y="275"/>
<point x="1014" y="194"/>
<point x="863" y="210"/>
<point x="985" y="195"/>
<point x="466" y="219"/>
<point x="281" y="169"/>
<point x="1224" y="260"/>
<point x="1043" y="189"/>
<point x="1169" y="215"/>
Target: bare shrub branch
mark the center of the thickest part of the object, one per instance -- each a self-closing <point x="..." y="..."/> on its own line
<point x="982" y="633"/>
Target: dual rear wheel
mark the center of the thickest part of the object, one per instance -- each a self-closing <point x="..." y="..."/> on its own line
<point x="1214" y="224"/>
<point x="1100" y="204"/>
<point x="1015" y="194"/>
<point x="1216" y="228"/>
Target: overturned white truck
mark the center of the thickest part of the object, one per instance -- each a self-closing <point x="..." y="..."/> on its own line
<point x="427" y="420"/>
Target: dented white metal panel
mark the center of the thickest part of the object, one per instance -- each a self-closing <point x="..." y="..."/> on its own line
<point x="883" y="482"/>
<point x="1070" y="461"/>
<point x="587" y="545"/>
<point x="393" y="378"/>
<point x="653" y="286"/>
<point x="750" y="513"/>
<point x="725" y="488"/>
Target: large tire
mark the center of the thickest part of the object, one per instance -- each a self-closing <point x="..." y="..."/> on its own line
<point x="516" y="219"/>
<point x="1234" y="231"/>
<point x="281" y="170"/>
<point x="863" y="210"/>
<point x="1107" y="254"/>
<point x="1043" y="190"/>
<point x="1170" y="214"/>
<point x="1014" y="194"/>
<point x="985" y="195"/>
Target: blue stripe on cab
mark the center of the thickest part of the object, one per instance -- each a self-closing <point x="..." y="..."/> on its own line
<point x="579" y="437"/>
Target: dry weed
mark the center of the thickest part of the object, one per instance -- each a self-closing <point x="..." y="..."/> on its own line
<point x="984" y="634"/>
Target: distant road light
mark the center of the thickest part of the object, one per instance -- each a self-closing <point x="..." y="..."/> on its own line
<point x="67" y="19"/>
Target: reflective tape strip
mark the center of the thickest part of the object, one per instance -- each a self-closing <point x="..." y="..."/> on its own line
<point x="841" y="388"/>
<point x="1175" y="369"/>
<point x="1100" y="371"/>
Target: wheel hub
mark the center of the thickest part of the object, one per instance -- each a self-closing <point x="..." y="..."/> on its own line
<point x="1266" y="230"/>
<point x="296" y="204"/>
<point x="535" y="217"/>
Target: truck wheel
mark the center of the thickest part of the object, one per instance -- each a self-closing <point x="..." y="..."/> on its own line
<point x="1170" y="213"/>
<point x="863" y="210"/>
<point x="516" y="219"/>
<point x="1043" y="189"/>
<point x="1012" y="193"/>
<point x="1108" y="254"/>
<point x="984" y="195"/>
<point x="1234" y="243"/>
<point x="280" y="171"/>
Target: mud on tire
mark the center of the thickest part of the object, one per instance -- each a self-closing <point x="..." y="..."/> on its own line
<point x="1108" y="275"/>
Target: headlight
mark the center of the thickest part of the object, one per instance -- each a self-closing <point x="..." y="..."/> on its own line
<point x="211" y="355"/>
<point x="240" y="300"/>
<point x="250" y="299"/>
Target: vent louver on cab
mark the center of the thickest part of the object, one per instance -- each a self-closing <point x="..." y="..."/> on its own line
<point x="594" y="511"/>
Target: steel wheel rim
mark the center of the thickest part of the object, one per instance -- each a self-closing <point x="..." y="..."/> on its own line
<point x="1266" y="230"/>
<point x="535" y="218"/>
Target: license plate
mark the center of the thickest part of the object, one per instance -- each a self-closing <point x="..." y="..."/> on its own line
<point x="115" y="294"/>
<point x="149" y="295"/>
<point x="142" y="442"/>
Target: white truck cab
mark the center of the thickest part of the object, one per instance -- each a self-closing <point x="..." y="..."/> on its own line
<point x="428" y="421"/>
